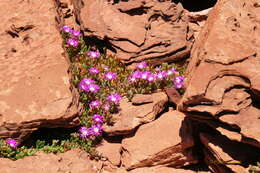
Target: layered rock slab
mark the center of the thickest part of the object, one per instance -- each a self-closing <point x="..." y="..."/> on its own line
<point x="142" y="109"/>
<point x="155" y="169"/>
<point x="224" y="71"/>
<point x="157" y="143"/>
<point x="35" y="89"/>
<point x="111" y="151"/>
<point x="223" y="83"/>
<point x="137" y="30"/>
<point x="226" y="154"/>
<point x="73" y="161"/>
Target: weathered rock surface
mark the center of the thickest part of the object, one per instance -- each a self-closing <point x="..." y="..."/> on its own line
<point x="131" y="116"/>
<point x="66" y="16"/>
<point x="138" y="30"/>
<point x="111" y="151"/>
<point x="73" y="161"/>
<point x="35" y="89"/>
<point x="223" y="88"/>
<point x="156" y="169"/>
<point x="173" y="95"/>
<point x="223" y="80"/>
<point x="157" y="143"/>
<point x="197" y="20"/>
<point x="228" y="153"/>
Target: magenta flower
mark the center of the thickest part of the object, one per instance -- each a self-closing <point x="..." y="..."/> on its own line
<point x="131" y="79"/>
<point x="151" y="78"/>
<point x="12" y="143"/>
<point x="114" y="98"/>
<point x="137" y="74"/>
<point x="84" y="84"/>
<point x="87" y="81"/>
<point x="67" y="29"/>
<point x="145" y="75"/>
<point x="94" y="104"/>
<point x="142" y="65"/>
<point x="76" y="33"/>
<point x="161" y="75"/>
<point x="97" y="129"/>
<point x="93" y="88"/>
<point x="97" y="118"/>
<point x="85" y="132"/>
<point x="178" y="81"/>
<point x="72" y="42"/>
<point x="106" y="107"/>
<point x="110" y="75"/>
<point x="171" y="71"/>
<point x="93" y="54"/>
<point x="93" y="70"/>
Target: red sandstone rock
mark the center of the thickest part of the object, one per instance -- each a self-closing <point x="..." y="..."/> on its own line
<point x="35" y="88"/>
<point x="131" y="116"/>
<point x="74" y="161"/>
<point x="197" y="20"/>
<point x="111" y="151"/>
<point x="223" y="74"/>
<point x="173" y="95"/>
<point x="138" y="30"/>
<point x="228" y="153"/>
<point x="157" y="143"/>
<point x="155" y="169"/>
<point x="160" y="169"/>
<point x="223" y="88"/>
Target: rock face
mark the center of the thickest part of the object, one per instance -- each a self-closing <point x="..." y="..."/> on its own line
<point x="35" y="89"/>
<point x="157" y="143"/>
<point x="226" y="155"/>
<point x="138" y="30"/>
<point x="143" y="109"/>
<point x="73" y="161"/>
<point x="111" y="151"/>
<point x="224" y="73"/>
<point x="197" y="20"/>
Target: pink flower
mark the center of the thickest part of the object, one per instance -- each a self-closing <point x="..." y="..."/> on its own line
<point x="12" y="143"/>
<point x="114" y="98"/>
<point x="97" y="129"/>
<point x="85" y="132"/>
<point x="93" y="54"/>
<point x="145" y="75"/>
<point x="94" y="104"/>
<point x="171" y="71"/>
<point x="76" y="33"/>
<point x="161" y="75"/>
<point x="137" y="74"/>
<point x="131" y="79"/>
<point x="72" y="42"/>
<point x="106" y="107"/>
<point x="142" y="65"/>
<point x="110" y="75"/>
<point x="178" y="81"/>
<point x="151" y="78"/>
<point x="97" y="118"/>
<point x="93" y="70"/>
<point x="67" y="29"/>
<point x="93" y="88"/>
<point x="87" y="81"/>
<point x="84" y="84"/>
